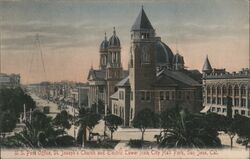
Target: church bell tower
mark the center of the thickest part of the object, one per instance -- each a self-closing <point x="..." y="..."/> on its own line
<point x="142" y="67"/>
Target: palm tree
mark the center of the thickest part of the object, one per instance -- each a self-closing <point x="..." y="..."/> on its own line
<point x="40" y="133"/>
<point x="189" y="131"/>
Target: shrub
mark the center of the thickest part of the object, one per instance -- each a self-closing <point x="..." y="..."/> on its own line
<point x="135" y="143"/>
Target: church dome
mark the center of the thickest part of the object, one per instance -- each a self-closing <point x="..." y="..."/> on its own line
<point x="114" y="41"/>
<point x="104" y="45"/>
<point x="178" y="59"/>
<point x="164" y="55"/>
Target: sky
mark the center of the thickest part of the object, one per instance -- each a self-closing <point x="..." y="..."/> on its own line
<point x="71" y="31"/>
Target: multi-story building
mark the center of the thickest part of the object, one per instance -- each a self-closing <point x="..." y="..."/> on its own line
<point x="218" y="84"/>
<point x="157" y="77"/>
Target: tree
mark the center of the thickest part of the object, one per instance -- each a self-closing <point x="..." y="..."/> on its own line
<point x="189" y="131"/>
<point x="243" y="129"/>
<point x="87" y="120"/>
<point x="7" y="121"/>
<point x="40" y="133"/>
<point x="11" y="102"/>
<point x="145" y="119"/>
<point x="223" y="123"/>
<point x="63" y="120"/>
<point x="113" y="121"/>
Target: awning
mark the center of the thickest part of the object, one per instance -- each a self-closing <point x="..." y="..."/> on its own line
<point x="205" y="109"/>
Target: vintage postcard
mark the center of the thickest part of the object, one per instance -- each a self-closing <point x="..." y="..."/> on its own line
<point x="124" y="79"/>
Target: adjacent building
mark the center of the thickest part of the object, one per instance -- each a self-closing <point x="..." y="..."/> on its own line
<point x="218" y="84"/>
<point x="156" y="78"/>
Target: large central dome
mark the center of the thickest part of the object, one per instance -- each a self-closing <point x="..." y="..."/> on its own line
<point x="163" y="53"/>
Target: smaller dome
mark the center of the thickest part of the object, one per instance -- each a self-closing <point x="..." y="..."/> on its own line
<point x="178" y="59"/>
<point x="104" y="45"/>
<point x="114" y="41"/>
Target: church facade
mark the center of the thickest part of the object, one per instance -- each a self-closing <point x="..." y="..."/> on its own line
<point x="156" y="78"/>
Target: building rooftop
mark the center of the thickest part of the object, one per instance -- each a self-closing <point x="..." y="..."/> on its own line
<point x="141" y="22"/>
<point x="222" y="73"/>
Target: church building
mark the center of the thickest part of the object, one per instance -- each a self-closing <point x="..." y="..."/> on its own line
<point x="156" y="78"/>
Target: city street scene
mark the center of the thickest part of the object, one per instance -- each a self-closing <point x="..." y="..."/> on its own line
<point x="124" y="79"/>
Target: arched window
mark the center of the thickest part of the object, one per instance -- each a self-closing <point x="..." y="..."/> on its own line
<point x="236" y="90"/>
<point x="208" y="90"/>
<point x="243" y="91"/>
<point x="219" y="90"/>
<point x="213" y="90"/>
<point x="248" y="90"/>
<point x="224" y="90"/>
<point x="230" y="90"/>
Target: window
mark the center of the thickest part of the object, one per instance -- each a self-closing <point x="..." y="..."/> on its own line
<point x="148" y="96"/>
<point x="230" y="91"/>
<point x="208" y="100"/>
<point x="224" y="101"/>
<point x="213" y="90"/>
<point x="219" y="101"/>
<point x="248" y="91"/>
<point x="142" y="95"/>
<point x="236" y="91"/>
<point x="120" y="112"/>
<point x="243" y="112"/>
<point x="213" y="100"/>
<point x="224" y="110"/>
<point x="243" y="102"/>
<point x="236" y="102"/>
<point x="161" y="95"/>
<point x="114" y="109"/>
<point x="224" y="90"/>
<point x="131" y="113"/>
<point x="213" y="109"/>
<point x="236" y="111"/>
<point x="218" y="109"/>
<point x="121" y="95"/>
<point x="131" y="95"/>
<point x="101" y="89"/>
<point x="243" y="91"/>
<point x="219" y="90"/>
<point x="167" y="95"/>
<point x="208" y="90"/>
<point x="145" y="96"/>
<point x="145" y="55"/>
